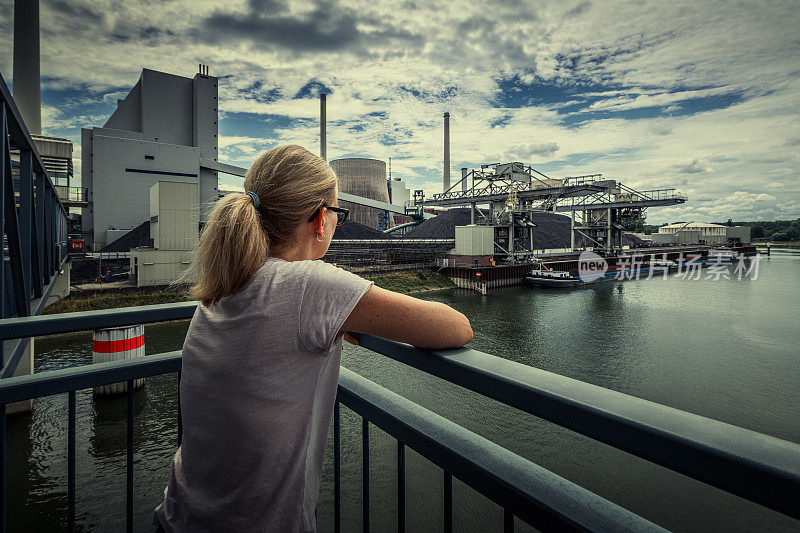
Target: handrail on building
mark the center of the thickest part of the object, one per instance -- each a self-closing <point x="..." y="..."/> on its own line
<point x="34" y="221"/>
<point x="754" y="466"/>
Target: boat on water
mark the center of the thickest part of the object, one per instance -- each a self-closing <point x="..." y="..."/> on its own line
<point x="543" y="276"/>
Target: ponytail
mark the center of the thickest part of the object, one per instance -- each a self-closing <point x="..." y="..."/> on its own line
<point x="290" y="183"/>
<point x="232" y="247"/>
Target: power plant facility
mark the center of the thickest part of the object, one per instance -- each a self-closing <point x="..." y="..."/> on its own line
<point x="367" y="178"/>
<point x="165" y="128"/>
<point x="150" y="175"/>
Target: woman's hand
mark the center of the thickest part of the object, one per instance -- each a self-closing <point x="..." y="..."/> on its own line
<point x="349" y="338"/>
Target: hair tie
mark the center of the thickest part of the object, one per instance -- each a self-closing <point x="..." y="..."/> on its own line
<point x="253" y="196"/>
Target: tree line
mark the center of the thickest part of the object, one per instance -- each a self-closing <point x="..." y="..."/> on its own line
<point x="776" y="230"/>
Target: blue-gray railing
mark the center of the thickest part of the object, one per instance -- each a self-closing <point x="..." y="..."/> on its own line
<point x="757" y="467"/>
<point x="34" y="223"/>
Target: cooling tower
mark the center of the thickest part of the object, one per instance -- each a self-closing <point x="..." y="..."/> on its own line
<point x="362" y="177"/>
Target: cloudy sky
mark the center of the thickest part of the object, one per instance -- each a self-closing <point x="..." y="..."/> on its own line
<point x="701" y="96"/>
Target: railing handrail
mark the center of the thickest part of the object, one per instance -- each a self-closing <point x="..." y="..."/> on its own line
<point x="29" y="386"/>
<point x="35" y="326"/>
<point x="757" y="467"/>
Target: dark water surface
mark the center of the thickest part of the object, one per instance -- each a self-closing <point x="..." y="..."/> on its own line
<point x="726" y="349"/>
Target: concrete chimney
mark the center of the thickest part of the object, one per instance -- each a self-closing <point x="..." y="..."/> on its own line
<point x="323" y="138"/>
<point x="27" y="78"/>
<point x="446" y="175"/>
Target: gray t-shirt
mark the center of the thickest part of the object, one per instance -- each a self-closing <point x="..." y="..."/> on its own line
<point x="258" y="385"/>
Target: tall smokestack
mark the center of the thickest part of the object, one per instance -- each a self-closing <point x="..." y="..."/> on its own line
<point x="446" y="175"/>
<point x="27" y="78"/>
<point x="323" y="139"/>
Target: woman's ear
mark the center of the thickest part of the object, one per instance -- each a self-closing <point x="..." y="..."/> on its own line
<point x="320" y="222"/>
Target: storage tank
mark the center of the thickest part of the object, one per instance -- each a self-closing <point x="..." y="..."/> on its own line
<point x="363" y="177"/>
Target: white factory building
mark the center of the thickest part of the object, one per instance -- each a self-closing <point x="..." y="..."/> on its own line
<point x="162" y="130"/>
<point x="700" y="233"/>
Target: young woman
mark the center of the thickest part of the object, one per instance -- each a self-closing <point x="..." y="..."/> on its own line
<point x="261" y="357"/>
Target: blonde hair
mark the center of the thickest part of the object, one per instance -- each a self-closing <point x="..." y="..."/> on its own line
<point x="291" y="184"/>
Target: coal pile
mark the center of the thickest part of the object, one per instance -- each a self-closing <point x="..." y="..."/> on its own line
<point x="442" y="226"/>
<point x="135" y="238"/>
<point x="552" y="230"/>
<point x="354" y="230"/>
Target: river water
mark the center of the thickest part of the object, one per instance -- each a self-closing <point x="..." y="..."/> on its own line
<point x="727" y="349"/>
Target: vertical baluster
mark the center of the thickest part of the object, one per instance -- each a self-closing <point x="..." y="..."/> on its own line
<point x="401" y="487"/>
<point x="180" y="421"/>
<point x="2" y="468"/>
<point x="508" y="521"/>
<point x="129" y="491"/>
<point x="365" y="475"/>
<point x="5" y="166"/>
<point x="448" y="502"/>
<point x="71" y="460"/>
<point x="41" y="221"/>
<point x="337" y="470"/>
<point x="53" y="233"/>
<point x="25" y="222"/>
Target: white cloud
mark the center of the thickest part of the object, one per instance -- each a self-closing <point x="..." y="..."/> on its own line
<point x="412" y="62"/>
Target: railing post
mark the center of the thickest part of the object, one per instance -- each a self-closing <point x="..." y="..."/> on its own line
<point x="3" y="468"/>
<point x="180" y="419"/>
<point x="508" y="521"/>
<point x="71" y="459"/>
<point x="47" y="216"/>
<point x="365" y="475"/>
<point x="129" y="454"/>
<point x="11" y="226"/>
<point x="401" y="487"/>
<point x="337" y="469"/>
<point x="41" y="223"/>
<point x="448" y="503"/>
<point x="26" y="222"/>
<point x="5" y="166"/>
<point x="54" y="232"/>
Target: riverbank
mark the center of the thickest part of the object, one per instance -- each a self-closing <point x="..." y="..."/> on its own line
<point x="92" y="300"/>
<point x="792" y="245"/>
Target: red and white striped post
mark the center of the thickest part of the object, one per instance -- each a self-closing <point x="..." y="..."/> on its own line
<point x="113" y="344"/>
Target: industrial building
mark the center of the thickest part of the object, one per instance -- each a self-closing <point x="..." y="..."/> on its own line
<point x="363" y="177"/>
<point x="399" y="194"/>
<point x="701" y="233"/>
<point x="164" y="129"/>
<point x="174" y="219"/>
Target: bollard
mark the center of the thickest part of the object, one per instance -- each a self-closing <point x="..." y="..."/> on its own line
<point x="113" y="344"/>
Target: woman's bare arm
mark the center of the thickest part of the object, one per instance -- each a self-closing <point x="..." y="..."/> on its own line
<point x="403" y="318"/>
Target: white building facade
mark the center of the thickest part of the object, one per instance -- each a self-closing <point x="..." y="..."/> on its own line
<point x="162" y="130"/>
<point x="398" y="192"/>
<point x="702" y="233"/>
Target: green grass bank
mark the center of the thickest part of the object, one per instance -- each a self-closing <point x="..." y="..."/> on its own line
<point x="403" y="282"/>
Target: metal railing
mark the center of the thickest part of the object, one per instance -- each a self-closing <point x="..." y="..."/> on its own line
<point x="757" y="467"/>
<point x="72" y="194"/>
<point x="34" y="223"/>
<point x="521" y="487"/>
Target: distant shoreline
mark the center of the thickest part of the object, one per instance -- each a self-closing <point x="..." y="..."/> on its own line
<point x="791" y="245"/>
